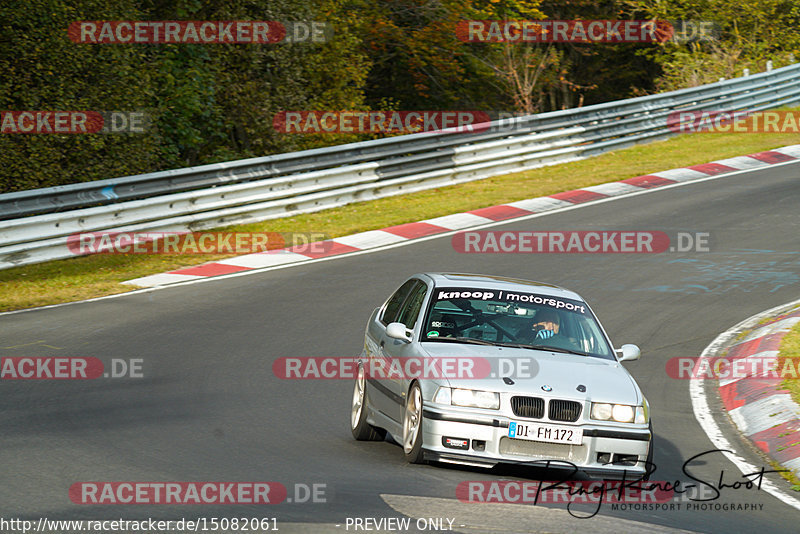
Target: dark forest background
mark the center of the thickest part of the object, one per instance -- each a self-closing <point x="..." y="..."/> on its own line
<point x="211" y="103"/>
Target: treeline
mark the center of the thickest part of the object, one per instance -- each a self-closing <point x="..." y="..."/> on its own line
<point x="216" y="102"/>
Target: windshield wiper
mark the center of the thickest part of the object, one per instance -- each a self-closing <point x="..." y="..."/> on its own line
<point x="557" y="349"/>
<point x="543" y="347"/>
<point x="514" y="345"/>
<point x="462" y="340"/>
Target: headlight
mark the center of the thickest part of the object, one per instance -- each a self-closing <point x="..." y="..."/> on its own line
<point x="621" y="413"/>
<point x="442" y="396"/>
<point x="468" y="398"/>
<point x="643" y="412"/>
<point x="601" y="412"/>
<point x="476" y="399"/>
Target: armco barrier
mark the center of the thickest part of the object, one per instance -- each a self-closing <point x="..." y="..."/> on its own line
<point x="34" y="224"/>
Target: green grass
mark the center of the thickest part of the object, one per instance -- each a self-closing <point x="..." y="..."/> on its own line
<point x="786" y="474"/>
<point x="94" y="276"/>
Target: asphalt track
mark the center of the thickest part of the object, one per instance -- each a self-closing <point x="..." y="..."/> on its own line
<point x="210" y="409"/>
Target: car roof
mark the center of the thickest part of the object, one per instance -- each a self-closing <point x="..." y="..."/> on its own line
<point x="488" y="281"/>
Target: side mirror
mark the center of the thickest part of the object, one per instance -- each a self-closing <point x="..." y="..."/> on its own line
<point x="399" y="331"/>
<point x="629" y="353"/>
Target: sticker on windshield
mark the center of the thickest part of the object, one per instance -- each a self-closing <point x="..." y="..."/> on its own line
<point x="512" y="297"/>
<point x="433" y="333"/>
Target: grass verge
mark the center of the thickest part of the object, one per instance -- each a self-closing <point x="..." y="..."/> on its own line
<point x="94" y="276"/>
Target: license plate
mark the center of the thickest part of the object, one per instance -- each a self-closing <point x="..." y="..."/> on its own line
<point x="547" y="433"/>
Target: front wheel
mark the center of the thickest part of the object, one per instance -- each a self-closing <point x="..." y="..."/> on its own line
<point x="412" y="426"/>
<point x="362" y="430"/>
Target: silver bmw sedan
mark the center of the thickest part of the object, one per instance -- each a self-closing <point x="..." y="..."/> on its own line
<point x="480" y="370"/>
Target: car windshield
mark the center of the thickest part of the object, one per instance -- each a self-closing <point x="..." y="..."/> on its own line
<point x="514" y="318"/>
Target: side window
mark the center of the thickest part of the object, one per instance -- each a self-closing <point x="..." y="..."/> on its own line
<point x="392" y="309"/>
<point x="410" y="312"/>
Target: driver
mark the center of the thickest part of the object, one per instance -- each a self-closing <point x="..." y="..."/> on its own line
<point x="545" y="324"/>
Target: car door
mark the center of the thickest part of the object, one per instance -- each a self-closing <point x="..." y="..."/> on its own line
<point x="380" y="395"/>
<point x="398" y="351"/>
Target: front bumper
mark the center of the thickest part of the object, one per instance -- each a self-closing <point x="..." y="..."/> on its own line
<point x="606" y="450"/>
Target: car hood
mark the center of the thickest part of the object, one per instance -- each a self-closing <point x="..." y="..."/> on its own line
<point x="604" y="380"/>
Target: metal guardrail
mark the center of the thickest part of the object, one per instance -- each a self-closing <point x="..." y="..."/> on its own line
<point x="35" y="224"/>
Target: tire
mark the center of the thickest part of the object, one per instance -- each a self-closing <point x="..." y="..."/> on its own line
<point x="362" y="430"/>
<point x="412" y="426"/>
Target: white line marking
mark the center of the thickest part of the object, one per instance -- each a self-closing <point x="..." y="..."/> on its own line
<point x="680" y="175"/>
<point x="372" y="238"/>
<point x="764" y="413"/>
<point x="756" y="360"/>
<point x="784" y="325"/>
<point x="540" y="204"/>
<point x="793" y="151"/>
<point x="162" y="279"/>
<point x="458" y="220"/>
<point x="261" y="259"/>
<point x="743" y="163"/>
<point x="613" y="189"/>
